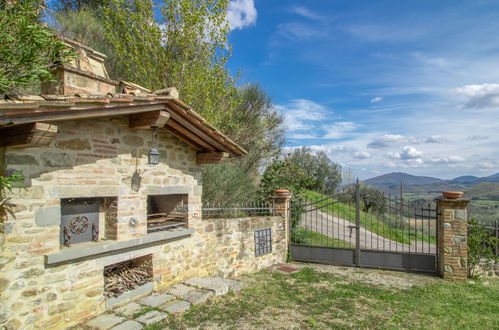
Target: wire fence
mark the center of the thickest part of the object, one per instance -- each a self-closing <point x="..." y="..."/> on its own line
<point x="243" y="210"/>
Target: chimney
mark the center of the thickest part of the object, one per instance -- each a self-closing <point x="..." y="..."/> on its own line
<point x="84" y="75"/>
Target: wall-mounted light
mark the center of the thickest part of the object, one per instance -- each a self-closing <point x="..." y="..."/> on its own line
<point x="153" y="156"/>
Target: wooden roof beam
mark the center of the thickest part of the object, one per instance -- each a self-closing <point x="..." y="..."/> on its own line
<point x="180" y="116"/>
<point x="27" y="135"/>
<point x="189" y="134"/>
<point x="211" y="157"/>
<point x="73" y="114"/>
<point x="147" y="120"/>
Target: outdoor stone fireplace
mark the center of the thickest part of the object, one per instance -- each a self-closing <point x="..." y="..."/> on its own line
<point x="95" y="210"/>
<point x="166" y="212"/>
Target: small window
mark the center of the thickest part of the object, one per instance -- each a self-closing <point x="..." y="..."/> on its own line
<point x="263" y="241"/>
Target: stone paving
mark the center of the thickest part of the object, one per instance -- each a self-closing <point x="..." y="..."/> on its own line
<point x="158" y="306"/>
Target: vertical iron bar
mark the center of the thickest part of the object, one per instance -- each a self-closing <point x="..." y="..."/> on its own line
<point x="322" y="222"/>
<point x="357" y="223"/>
<point x="383" y="218"/>
<point x="497" y="236"/>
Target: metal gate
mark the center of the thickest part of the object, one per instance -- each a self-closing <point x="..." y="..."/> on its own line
<point x="362" y="227"/>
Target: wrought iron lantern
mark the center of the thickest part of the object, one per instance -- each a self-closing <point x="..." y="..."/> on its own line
<point x="153" y="156"/>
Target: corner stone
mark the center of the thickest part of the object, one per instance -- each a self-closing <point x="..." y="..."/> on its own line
<point x="48" y="216"/>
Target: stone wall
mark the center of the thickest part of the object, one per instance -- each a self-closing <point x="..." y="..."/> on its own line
<point x="452" y="239"/>
<point x="104" y="158"/>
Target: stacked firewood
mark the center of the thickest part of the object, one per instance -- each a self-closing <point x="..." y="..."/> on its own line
<point x="123" y="277"/>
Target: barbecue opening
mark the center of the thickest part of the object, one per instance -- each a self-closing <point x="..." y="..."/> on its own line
<point x="166" y="212"/>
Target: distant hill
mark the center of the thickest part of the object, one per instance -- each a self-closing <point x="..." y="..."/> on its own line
<point x="483" y="191"/>
<point x="493" y="176"/>
<point x="424" y="185"/>
<point x="394" y="179"/>
<point x="465" y="179"/>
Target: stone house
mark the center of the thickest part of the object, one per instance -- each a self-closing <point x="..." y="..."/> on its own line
<point x="113" y="176"/>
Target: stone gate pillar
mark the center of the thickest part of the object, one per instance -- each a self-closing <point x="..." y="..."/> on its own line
<point x="281" y="201"/>
<point x="452" y="226"/>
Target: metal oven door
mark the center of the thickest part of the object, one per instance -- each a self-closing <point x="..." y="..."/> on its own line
<point x="79" y="221"/>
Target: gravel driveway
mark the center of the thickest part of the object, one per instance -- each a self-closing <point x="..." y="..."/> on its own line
<point x="334" y="227"/>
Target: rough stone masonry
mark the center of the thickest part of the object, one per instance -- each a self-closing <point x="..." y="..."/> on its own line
<point x="100" y="158"/>
<point x="452" y="237"/>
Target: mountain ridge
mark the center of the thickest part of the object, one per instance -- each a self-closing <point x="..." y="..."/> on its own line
<point x="395" y="178"/>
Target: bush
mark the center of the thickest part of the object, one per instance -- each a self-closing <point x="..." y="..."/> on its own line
<point x="481" y="247"/>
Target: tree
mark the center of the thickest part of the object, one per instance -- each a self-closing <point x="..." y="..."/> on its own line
<point x="371" y="198"/>
<point x="86" y="25"/>
<point x="79" y="4"/>
<point x="326" y="174"/>
<point x="187" y="48"/>
<point x="481" y="247"/>
<point x="257" y="127"/>
<point x="284" y="174"/>
<point x="227" y="184"/>
<point x="27" y="49"/>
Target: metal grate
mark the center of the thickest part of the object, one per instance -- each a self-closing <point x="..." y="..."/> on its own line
<point x="263" y="241"/>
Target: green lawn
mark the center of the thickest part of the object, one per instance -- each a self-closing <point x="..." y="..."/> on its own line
<point x="402" y="232"/>
<point x="354" y="299"/>
<point x="310" y="237"/>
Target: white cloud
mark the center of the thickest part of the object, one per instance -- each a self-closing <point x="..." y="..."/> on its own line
<point x="387" y="140"/>
<point x="407" y="153"/>
<point x="305" y="12"/>
<point x="479" y="96"/>
<point x="300" y="113"/>
<point x="376" y="99"/>
<point x="487" y="165"/>
<point x="436" y="139"/>
<point x="339" y="130"/>
<point x="300" y="31"/>
<point x="333" y="149"/>
<point x="241" y="13"/>
<point x="361" y="155"/>
<point x="478" y="137"/>
<point x="447" y="160"/>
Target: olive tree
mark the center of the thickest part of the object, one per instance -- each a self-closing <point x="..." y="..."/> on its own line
<point x="27" y="48"/>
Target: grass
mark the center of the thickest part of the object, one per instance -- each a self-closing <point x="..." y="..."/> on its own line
<point x="382" y="227"/>
<point x="310" y="237"/>
<point x="317" y="300"/>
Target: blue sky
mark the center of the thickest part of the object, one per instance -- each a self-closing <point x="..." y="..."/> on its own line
<point x="381" y="86"/>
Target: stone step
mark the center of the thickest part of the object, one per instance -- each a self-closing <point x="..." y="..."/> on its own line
<point x="197" y="296"/>
<point x="156" y="299"/>
<point x="180" y="290"/>
<point x="151" y="317"/>
<point x="105" y="321"/>
<point x="128" y="325"/>
<point x="128" y="309"/>
<point x="218" y="285"/>
<point x="176" y="306"/>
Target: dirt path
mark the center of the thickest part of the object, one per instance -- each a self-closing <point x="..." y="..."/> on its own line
<point x="341" y="229"/>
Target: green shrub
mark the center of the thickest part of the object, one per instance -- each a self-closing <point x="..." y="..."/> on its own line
<point x="481" y="246"/>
